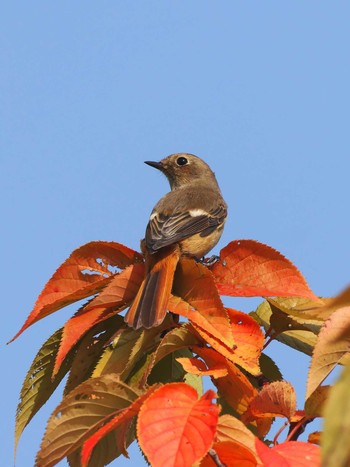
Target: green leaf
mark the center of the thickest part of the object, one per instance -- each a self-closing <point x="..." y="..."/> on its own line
<point x="107" y="449"/>
<point x="336" y="434"/>
<point x="178" y="338"/>
<point x="128" y="348"/>
<point x="269" y="368"/>
<point x="302" y="338"/>
<point x="196" y="381"/>
<point x="38" y="385"/>
<point x="168" y="370"/>
<point x="80" y="414"/>
<point x="89" y="350"/>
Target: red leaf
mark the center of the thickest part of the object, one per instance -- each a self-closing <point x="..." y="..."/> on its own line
<point x="289" y="454"/>
<point x="231" y="454"/>
<point x="84" y="273"/>
<point x="123" y="418"/>
<point x="249" y="268"/>
<point x="121" y="291"/>
<point x="175" y="428"/>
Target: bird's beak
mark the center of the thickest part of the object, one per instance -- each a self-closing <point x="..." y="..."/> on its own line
<point x="156" y="165"/>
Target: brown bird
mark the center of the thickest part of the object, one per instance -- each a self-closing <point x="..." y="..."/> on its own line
<point x="187" y="221"/>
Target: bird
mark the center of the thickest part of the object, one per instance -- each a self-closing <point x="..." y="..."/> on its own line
<point x="186" y="222"/>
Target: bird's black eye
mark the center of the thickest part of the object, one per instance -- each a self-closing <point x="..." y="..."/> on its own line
<point x="181" y="161"/>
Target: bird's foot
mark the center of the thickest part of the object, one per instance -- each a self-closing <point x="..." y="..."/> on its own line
<point x="209" y="261"/>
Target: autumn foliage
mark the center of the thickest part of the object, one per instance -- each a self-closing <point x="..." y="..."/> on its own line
<point x="147" y="385"/>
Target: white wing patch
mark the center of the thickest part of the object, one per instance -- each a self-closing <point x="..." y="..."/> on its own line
<point x="197" y="212"/>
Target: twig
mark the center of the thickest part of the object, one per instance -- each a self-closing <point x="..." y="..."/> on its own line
<point x="213" y="454"/>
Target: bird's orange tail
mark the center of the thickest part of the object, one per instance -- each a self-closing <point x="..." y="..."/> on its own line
<point x="150" y="304"/>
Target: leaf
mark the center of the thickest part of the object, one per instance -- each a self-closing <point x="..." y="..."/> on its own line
<point x="283" y="316"/>
<point x="84" y="273"/>
<point x="121" y="290"/>
<point x="330" y="348"/>
<point x="248" y="268"/>
<point x="301" y="339"/>
<point x="38" y="385"/>
<point x="249" y="340"/>
<point x="89" y="350"/>
<point x="111" y="446"/>
<point x="89" y="316"/>
<point x="128" y="347"/>
<point x="169" y="370"/>
<point x="236" y="354"/>
<point x="80" y="414"/>
<point x="289" y="454"/>
<point x="196" y="382"/>
<point x="198" y="367"/>
<point x="231" y="429"/>
<point x="315" y="438"/>
<point x="277" y="399"/>
<point x="269" y="368"/>
<point x="231" y="454"/>
<point x="329" y="305"/>
<point x="336" y="434"/>
<point x="175" y="427"/>
<point x="314" y="405"/>
<point x="175" y="339"/>
<point x="123" y="419"/>
<point x="235" y="387"/>
<point x="196" y="298"/>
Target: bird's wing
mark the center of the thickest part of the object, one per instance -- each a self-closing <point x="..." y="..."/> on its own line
<point x="163" y="230"/>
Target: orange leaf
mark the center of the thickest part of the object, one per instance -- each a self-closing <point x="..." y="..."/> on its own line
<point x="249" y="268"/>
<point x="231" y="454"/>
<point x="235" y="387"/>
<point x="276" y="399"/>
<point x="200" y="302"/>
<point x="197" y="367"/>
<point x="174" y="427"/>
<point x="122" y="288"/>
<point x="249" y="340"/>
<point x="231" y="429"/>
<point x="289" y="454"/>
<point x="84" y="273"/>
<point x="123" y="418"/>
<point x="315" y="438"/>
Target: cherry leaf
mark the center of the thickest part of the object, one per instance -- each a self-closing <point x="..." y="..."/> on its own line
<point x="332" y="345"/>
<point x="174" y="427"/>
<point x="248" y="268"/>
<point x="84" y="273"/>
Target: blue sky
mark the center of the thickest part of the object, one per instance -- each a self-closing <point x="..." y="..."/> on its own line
<point x="90" y="90"/>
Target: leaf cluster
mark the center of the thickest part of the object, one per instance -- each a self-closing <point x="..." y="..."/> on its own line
<point x="147" y="385"/>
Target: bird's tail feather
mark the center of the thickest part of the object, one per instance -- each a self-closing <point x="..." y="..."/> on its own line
<point x="150" y="304"/>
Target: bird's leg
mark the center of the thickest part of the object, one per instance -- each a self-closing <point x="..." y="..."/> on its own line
<point x="209" y="261"/>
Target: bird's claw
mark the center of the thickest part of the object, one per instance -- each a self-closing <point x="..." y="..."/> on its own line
<point x="209" y="261"/>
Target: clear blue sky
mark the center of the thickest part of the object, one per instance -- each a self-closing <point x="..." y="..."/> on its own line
<point x="90" y="90"/>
